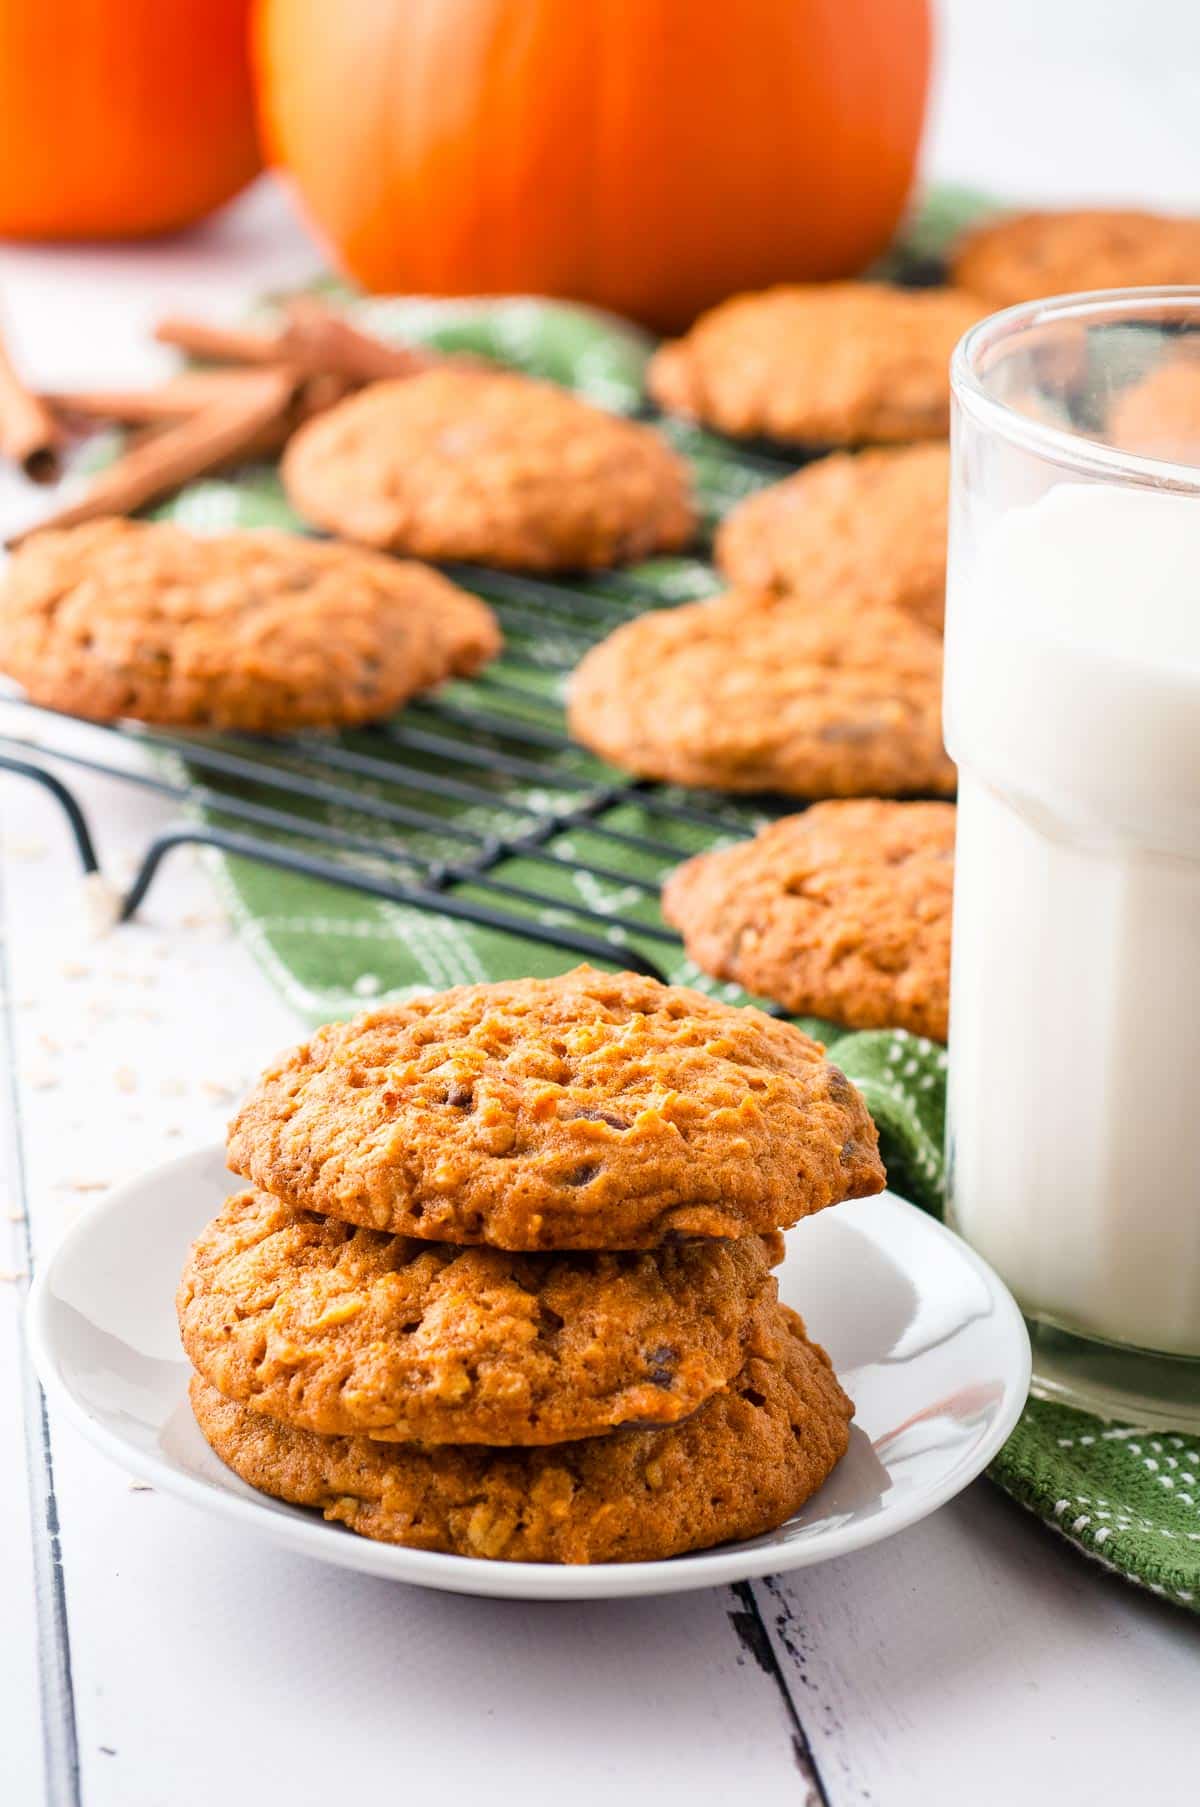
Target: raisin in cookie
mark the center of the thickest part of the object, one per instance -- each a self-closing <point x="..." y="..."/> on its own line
<point x="840" y="363"/>
<point x="745" y="1462"/>
<point x="865" y="527"/>
<point x="842" y="912"/>
<point x="1027" y="255"/>
<point x="754" y="692"/>
<point x="264" y="632"/>
<point x="490" y="467"/>
<point x="347" y="1331"/>
<point x="596" y="1110"/>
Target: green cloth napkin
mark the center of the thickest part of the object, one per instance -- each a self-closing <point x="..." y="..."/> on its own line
<point x="1128" y="1498"/>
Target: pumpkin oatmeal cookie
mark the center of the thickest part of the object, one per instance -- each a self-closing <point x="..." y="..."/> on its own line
<point x="596" y="1110"/>
<point x="866" y="527"/>
<point x="1027" y="255"/>
<point x="841" y="912"/>
<point x="493" y="468"/>
<point x="264" y="632"/>
<point x="348" y="1331"/>
<point x="839" y="363"/>
<point x="753" y="692"/>
<point x="745" y="1462"/>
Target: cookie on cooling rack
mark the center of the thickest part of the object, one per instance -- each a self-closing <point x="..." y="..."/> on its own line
<point x="346" y="1331"/>
<point x="865" y="527"/>
<point x="742" y="1464"/>
<point x="1022" y="256"/>
<point x="756" y="692"/>
<point x="591" y="1111"/>
<point x="263" y="632"/>
<point x="840" y="363"/>
<point x="493" y="468"/>
<point x="841" y="912"/>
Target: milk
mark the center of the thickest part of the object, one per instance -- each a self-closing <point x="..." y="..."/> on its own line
<point x="1073" y="710"/>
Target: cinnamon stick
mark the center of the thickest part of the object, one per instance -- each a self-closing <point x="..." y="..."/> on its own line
<point x="220" y="344"/>
<point x="195" y="445"/>
<point x="29" y="433"/>
<point x="313" y="337"/>
<point x="179" y="395"/>
<point x="319" y="338"/>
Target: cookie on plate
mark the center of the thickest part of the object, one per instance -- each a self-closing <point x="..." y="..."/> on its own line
<point x="742" y="1464"/>
<point x="755" y="692"/>
<point x="840" y="363"/>
<point x="595" y="1110"/>
<point x="347" y="1331"/>
<point x="1023" y="256"/>
<point x="864" y="527"/>
<point x="841" y="912"/>
<point x="264" y="632"/>
<point x="490" y="467"/>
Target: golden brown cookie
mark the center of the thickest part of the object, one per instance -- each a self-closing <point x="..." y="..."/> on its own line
<point x="744" y="1462"/>
<point x="1024" y="256"/>
<point x="1160" y="416"/>
<point x="596" y="1110"/>
<point x="264" y="632"/>
<point x="491" y="467"/>
<point x="866" y="527"/>
<point x="348" y="1331"/>
<point x="753" y="692"/>
<point x="839" y="363"/>
<point x="841" y="912"/>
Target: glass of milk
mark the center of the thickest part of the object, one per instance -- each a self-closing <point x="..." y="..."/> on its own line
<point x="1073" y="710"/>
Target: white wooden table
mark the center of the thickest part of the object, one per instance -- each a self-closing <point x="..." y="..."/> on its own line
<point x="151" y="1657"/>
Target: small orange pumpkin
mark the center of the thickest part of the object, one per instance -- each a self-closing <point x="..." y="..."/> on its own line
<point x="650" y="156"/>
<point x="122" y="117"/>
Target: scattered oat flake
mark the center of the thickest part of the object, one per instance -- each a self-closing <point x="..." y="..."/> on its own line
<point x="75" y="969"/>
<point x="82" y="1185"/>
<point x="10" y="1275"/>
<point x="367" y="985"/>
<point x="48" y="1042"/>
<point x="43" y="1079"/>
<point x="126" y="1079"/>
<point x="140" y="1487"/>
<point x="26" y="850"/>
<point x="172" y="1088"/>
<point x="174" y="1130"/>
<point x="15" y="1216"/>
<point x="215" y="1089"/>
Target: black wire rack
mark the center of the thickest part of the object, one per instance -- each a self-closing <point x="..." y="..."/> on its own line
<point x="473" y="802"/>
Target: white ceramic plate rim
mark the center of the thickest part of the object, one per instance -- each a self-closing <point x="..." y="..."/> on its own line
<point x="311" y="1536"/>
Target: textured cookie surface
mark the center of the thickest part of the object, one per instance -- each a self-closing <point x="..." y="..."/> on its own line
<point x="490" y="467"/>
<point x="1029" y="255"/>
<point x="349" y="1331"/>
<point x="595" y="1110"/>
<point x="741" y="1465"/>
<point x="841" y="912"/>
<point x="867" y="527"/>
<point x="257" y="631"/>
<point x="838" y="363"/>
<point x="753" y="692"/>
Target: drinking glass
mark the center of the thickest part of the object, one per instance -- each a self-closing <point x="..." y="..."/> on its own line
<point x="1072" y="708"/>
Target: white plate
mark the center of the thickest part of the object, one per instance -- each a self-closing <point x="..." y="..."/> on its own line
<point x="925" y="1338"/>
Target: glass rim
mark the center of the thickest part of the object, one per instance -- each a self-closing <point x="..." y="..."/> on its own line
<point x="1059" y="445"/>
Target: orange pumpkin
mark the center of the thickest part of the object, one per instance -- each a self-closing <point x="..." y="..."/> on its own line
<point x="647" y="155"/>
<point x="122" y="117"/>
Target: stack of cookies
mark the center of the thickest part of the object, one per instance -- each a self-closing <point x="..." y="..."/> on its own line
<point x="501" y="1285"/>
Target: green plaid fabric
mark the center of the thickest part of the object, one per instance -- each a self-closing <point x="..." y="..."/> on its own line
<point x="1127" y="1498"/>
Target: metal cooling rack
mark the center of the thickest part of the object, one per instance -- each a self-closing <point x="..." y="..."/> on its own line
<point x="458" y="805"/>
